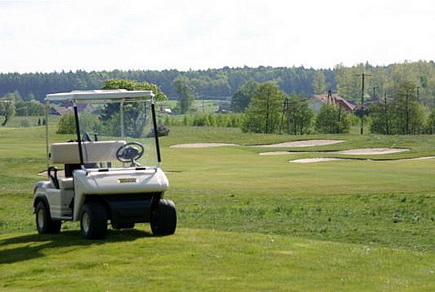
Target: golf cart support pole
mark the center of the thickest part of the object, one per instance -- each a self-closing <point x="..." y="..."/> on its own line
<point x="156" y="134"/>
<point x="79" y="141"/>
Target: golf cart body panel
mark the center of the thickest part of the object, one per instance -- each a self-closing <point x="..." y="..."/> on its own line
<point x="110" y="177"/>
<point x="114" y="182"/>
<point x="60" y="200"/>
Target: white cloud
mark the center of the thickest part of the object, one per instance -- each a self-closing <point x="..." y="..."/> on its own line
<point x="183" y="34"/>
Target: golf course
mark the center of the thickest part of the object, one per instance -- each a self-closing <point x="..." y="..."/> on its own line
<point x="342" y="220"/>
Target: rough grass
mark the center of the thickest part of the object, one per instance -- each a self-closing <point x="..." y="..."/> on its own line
<point x="246" y="222"/>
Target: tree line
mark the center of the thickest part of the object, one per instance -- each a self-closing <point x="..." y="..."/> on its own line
<point x="207" y="84"/>
<point x="398" y="98"/>
<point x="224" y="82"/>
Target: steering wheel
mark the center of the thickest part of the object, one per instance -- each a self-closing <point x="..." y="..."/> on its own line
<point x="130" y="152"/>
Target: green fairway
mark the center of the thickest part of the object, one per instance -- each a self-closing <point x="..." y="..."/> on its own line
<point x="246" y="222"/>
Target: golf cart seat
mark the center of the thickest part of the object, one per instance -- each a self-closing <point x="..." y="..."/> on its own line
<point x="93" y="152"/>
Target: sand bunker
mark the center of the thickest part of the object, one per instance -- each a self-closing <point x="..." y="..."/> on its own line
<point x="421" y="158"/>
<point x="311" y="160"/>
<point x="281" y="153"/>
<point x="371" y="151"/>
<point x="296" y="144"/>
<point x="202" y="145"/>
<point x="366" y="151"/>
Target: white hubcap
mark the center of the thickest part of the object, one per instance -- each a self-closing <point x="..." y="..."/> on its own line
<point x="41" y="218"/>
<point x="86" y="222"/>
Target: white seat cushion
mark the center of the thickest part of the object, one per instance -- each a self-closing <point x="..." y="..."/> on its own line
<point x="99" y="151"/>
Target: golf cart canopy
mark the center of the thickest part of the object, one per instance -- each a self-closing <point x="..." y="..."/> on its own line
<point x="101" y="96"/>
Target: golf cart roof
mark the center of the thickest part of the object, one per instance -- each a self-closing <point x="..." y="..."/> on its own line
<point x="101" y="96"/>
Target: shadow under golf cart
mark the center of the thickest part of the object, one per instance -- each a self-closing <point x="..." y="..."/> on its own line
<point x="36" y="244"/>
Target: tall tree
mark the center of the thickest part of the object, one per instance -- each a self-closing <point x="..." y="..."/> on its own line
<point x="185" y="93"/>
<point x="319" y="83"/>
<point x="430" y="128"/>
<point x="134" y="112"/>
<point x="243" y="96"/>
<point x="265" y="110"/>
<point x="408" y="113"/>
<point x="298" y="116"/>
<point x="7" y="106"/>
<point x="402" y="114"/>
<point x="133" y="85"/>
<point x="332" y="119"/>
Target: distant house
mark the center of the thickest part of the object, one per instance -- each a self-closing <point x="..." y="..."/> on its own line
<point x="66" y="108"/>
<point x="319" y="99"/>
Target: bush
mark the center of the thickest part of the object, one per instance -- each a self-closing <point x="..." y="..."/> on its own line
<point x="66" y="125"/>
<point x="162" y="130"/>
<point x="206" y="120"/>
<point x="430" y="126"/>
<point x="25" y="123"/>
<point x="332" y="119"/>
<point x="88" y="122"/>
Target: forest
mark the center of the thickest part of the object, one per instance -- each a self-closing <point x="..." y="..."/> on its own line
<point x="211" y="83"/>
<point x="224" y="82"/>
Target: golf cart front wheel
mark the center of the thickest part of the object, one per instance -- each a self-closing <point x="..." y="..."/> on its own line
<point x="164" y="218"/>
<point x="93" y="221"/>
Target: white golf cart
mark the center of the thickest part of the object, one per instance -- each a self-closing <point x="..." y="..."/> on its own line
<point x="99" y="173"/>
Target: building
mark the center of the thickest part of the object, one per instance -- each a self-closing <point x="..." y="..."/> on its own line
<point x="319" y="99"/>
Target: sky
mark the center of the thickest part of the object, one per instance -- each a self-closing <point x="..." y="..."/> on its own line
<point x="47" y="36"/>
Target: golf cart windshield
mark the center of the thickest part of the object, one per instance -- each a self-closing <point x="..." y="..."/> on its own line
<point x="103" y="129"/>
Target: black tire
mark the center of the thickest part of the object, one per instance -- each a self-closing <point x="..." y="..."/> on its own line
<point x="44" y="223"/>
<point x="122" y="225"/>
<point x="164" y="218"/>
<point x="93" y="221"/>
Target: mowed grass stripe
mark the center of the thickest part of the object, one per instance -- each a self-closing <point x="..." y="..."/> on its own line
<point x="205" y="260"/>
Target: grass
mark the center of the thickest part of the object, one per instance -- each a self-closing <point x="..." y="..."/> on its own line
<point x="246" y="222"/>
<point x="206" y="260"/>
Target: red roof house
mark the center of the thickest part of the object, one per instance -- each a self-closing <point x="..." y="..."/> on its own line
<point x="335" y="99"/>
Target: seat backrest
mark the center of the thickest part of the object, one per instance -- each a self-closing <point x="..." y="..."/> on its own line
<point x="99" y="151"/>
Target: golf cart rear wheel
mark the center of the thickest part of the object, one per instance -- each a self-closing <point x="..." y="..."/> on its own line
<point x="93" y="221"/>
<point x="164" y="218"/>
<point x="44" y="223"/>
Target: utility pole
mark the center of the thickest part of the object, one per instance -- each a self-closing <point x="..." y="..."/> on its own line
<point x="285" y="114"/>
<point x="330" y="100"/>
<point x="387" y="128"/>
<point x="363" y="75"/>
<point x="407" y="111"/>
